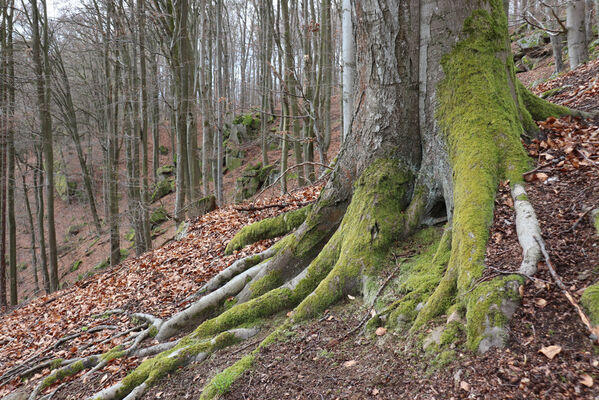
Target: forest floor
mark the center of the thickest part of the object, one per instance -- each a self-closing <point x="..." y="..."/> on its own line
<point x="319" y="360"/>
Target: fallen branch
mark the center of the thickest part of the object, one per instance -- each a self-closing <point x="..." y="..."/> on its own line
<point x="594" y="331"/>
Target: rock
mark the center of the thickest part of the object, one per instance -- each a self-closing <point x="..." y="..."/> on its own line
<point x="433" y="338"/>
<point x="535" y="39"/>
<point x="181" y="231"/>
<point x="165" y="171"/>
<point x="162" y="188"/>
<point x="206" y="205"/>
<point x="252" y="179"/>
<point x="158" y="216"/>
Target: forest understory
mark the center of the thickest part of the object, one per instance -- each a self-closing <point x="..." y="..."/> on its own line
<point x="549" y="354"/>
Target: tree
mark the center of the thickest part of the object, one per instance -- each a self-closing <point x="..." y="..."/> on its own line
<point x="349" y="65"/>
<point x="577" y="39"/>
<point x="438" y="123"/>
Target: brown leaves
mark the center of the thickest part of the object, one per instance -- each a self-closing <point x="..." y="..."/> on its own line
<point x="551" y="351"/>
<point x="156" y="283"/>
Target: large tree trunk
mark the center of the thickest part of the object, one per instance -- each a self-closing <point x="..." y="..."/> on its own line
<point x="437" y="124"/>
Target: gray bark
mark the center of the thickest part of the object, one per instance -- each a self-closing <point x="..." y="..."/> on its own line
<point x="349" y="66"/>
<point x="577" y="46"/>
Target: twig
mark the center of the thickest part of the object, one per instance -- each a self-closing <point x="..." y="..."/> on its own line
<point x="289" y="169"/>
<point x="584" y="318"/>
<point x="579" y="219"/>
<point x="537" y="168"/>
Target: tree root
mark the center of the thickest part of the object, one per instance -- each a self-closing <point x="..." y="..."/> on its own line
<point x="187" y="350"/>
<point x="268" y="228"/>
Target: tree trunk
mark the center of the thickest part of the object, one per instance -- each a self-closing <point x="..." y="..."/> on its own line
<point x="42" y="71"/>
<point x="39" y="208"/>
<point x="34" y="265"/>
<point x="577" y="46"/>
<point x="349" y="66"/>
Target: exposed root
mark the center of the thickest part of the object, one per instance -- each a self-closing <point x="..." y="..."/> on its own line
<point x="72" y="368"/>
<point x="527" y="227"/>
<point x="235" y="269"/>
<point x="268" y="228"/>
<point x="187" y="350"/>
<point x="208" y="305"/>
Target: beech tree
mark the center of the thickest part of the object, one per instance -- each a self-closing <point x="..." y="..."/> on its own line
<point x="437" y="124"/>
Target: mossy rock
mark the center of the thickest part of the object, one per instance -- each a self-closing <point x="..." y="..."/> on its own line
<point x="130" y="235"/>
<point x="162" y="188"/>
<point x="253" y="178"/>
<point x="535" y="39"/>
<point x="74" y="230"/>
<point x="206" y="205"/>
<point x="181" y="231"/>
<point x="163" y="150"/>
<point x="158" y="216"/>
<point x="165" y="170"/>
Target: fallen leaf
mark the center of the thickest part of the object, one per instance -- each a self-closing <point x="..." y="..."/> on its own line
<point x="542" y="176"/>
<point x="375" y="391"/>
<point x="465" y="386"/>
<point x="541" y="303"/>
<point x="349" y="363"/>
<point x="551" y="351"/>
<point x="380" y="331"/>
<point x="586" y="380"/>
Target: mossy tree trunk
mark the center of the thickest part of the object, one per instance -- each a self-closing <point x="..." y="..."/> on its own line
<point x="438" y="120"/>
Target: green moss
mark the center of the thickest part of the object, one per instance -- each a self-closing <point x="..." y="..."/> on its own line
<point x="268" y="228"/>
<point x="419" y="276"/>
<point x="541" y="109"/>
<point x="56" y="363"/>
<point x="267" y="282"/>
<point x="489" y="306"/>
<point x="166" y="170"/>
<point x="113" y="354"/>
<point x="62" y="373"/>
<point x="102" y="265"/>
<point x="522" y="197"/>
<point x="373" y="221"/>
<point x="590" y="302"/>
<point x="596" y="220"/>
<point x="222" y="382"/>
<point x="153" y="331"/>
<point x="551" y="92"/>
<point x="75" y="266"/>
<point x="130" y="235"/>
<point x="230" y="302"/>
<point x="162" y="188"/>
<point x="158" y="216"/>
<point x="163" y="150"/>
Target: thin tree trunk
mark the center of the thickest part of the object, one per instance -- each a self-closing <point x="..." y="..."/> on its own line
<point x="349" y="66"/>
<point x="39" y="208"/>
<point x="577" y="49"/>
<point x="34" y="265"/>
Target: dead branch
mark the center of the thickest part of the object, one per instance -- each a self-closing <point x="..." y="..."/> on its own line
<point x="583" y="317"/>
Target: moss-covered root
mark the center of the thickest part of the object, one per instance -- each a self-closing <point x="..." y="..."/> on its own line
<point x="540" y="109"/>
<point x="74" y="367"/>
<point x="189" y="349"/>
<point x="268" y="228"/>
<point x="590" y="297"/>
<point x="482" y="121"/>
<point x="375" y="218"/>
